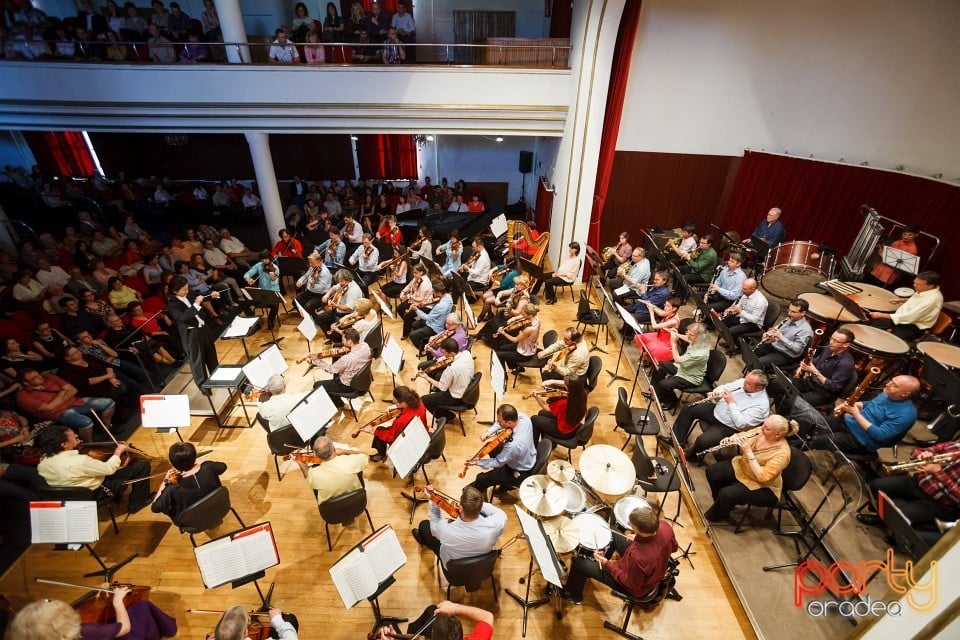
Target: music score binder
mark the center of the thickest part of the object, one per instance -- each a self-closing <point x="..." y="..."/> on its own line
<point x="67" y="522"/>
<point x="408" y="447"/>
<point x="264" y="365"/>
<point x="360" y="572"/>
<point x="237" y="555"/>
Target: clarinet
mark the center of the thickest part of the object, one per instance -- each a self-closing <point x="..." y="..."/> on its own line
<point x="714" y="399"/>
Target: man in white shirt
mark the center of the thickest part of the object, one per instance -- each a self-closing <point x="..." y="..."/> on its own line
<point x="474" y="532"/>
<point x="746" y="314"/>
<point x="478" y="273"/>
<point x="235" y="249"/>
<point x="282" y="50"/>
<point x="636" y="277"/>
<point x="563" y="276"/>
<point x="314" y="283"/>
<point x="916" y="314"/>
<point x="453" y="381"/>
<point x="274" y="413"/>
<point x="47" y="274"/>
<point x="458" y="205"/>
<point x="366" y="258"/>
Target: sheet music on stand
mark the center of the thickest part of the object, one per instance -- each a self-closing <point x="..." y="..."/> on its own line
<point x="360" y="572"/>
<point x="165" y="412"/>
<point x="540" y="547"/>
<point x="901" y="260"/>
<point x="408" y="447"/>
<point x="384" y="305"/>
<point x="471" y="318"/>
<point x="312" y="414"/>
<point x="239" y="327"/>
<point x="498" y="378"/>
<point x="392" y="353"/>
<point x="628" y="318"/>
<point x="237" y="555"/>
<point x="308" y="328"/>
<point x="64" y="522"/>
<point x="269" y="362"/>
<point x="498" y="226"/>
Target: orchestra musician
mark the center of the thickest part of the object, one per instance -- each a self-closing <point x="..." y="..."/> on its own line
<point x="524" y="342"/>
<point x="446" y="625"/>
<point x="493" y="301"/>
<point x="315" y="282"/>
<point x="367" y="313"/>
<point x="644" y="553"/>
<point x="195" y="335"/>
<point x="565" y="275"/>
<point x="636" y="277"/>
<point x="47" y="396"/>
<point x="452" y="250"/>
<point x="346" y="292"/>
<point x="516" y="457"/>
<point x="917" y="313"/>
<point x="422" y="247"/>
<point x="740" y="405"/>
<point x="453" y="382"/>
<point x="507" y="273"/>
<point x="235" y="621"/>
<point x="478" y="271"/>
<point x="338" y="473"/>
<point x="770" y="230"/>
<point x="418" y="293"/>
<point x="408" y="401"/>
<point x="701" y="263"/>
<point x="287" y="246"/>
<point x="682" y="371"/>
<point x="62" y="465"/>
<point x="658" y="341"/>
<point x="351" y="233"/>
<point x="473" y="532"/>
<point x="747" y="313"/>
<point x="727" y="286"/>
<point x="266" y="276"/>
<point x="56" y="619"/>
<point x="657" y="294"/>
<point x="574" y="363"/>
<point x="688" y="242"/>
<point x="932" y="494"/>
<point x="560" y="417"/>
<point x="786" y="343"/>
<point x="512" y="301"/>
<point x="621" y="254"/>
<point x="333" y="250"/>
<point x="826" y="375"/>
<point x="864" y="427"/>
<point x="274" y="412"/>
<point x="885" y="275"/>
<point x="345" y="368"/>
<point x="432" y="322"/>
<point x="367" y="256"/>
<point x="398" y="272"/>
<point x="188" y="482"/>
<point x="389" y="232"/>
<point x="459" y="335"/>
<point x="754" y="476"/>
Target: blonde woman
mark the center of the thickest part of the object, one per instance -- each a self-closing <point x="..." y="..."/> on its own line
<point x="518" y="346"/>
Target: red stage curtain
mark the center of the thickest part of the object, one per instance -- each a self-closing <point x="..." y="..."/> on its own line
<point x="821" y="203"/>
<point x="387" y="156"/>
<point x="544" y="206"/>
<point x="619" y="73"/>
<point x="61" y="152"/>
<point x="560" y="18"/>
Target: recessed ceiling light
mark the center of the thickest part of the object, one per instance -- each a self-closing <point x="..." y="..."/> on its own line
<point x="499" y="138"/>
<point x="354" y="138"/>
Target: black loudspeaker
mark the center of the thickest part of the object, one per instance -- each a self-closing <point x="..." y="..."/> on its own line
<point x="526" y="161"/>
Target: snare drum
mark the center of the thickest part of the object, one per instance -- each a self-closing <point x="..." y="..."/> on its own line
<point x="870" y="343"/>
<point x="594" y="533"/>
<point x="625" y="507"/>
<point x="576" y="498"/>
<point x="825" y="312"/>
<point x="794" y="267"/>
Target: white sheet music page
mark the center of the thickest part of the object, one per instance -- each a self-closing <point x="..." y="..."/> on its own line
<point x="239" y="327"/>
<point x="224" y="374"/>
<point x="308" y="329"/>
<point x="312" y="414"/>
<point x="408" y="447"/>
<point x="258" y="548"/>
<point x="392" y="353"/>
<point x="62" y="522"/>
<point x="540" y="545"/>
<point x="165" y="412"/>
<point x="354" y="578"/>
<point x="384" y="553"/>
<point x="220" y="562"/>
<point x="274" y="360"/>
<point x="622" y="290"/>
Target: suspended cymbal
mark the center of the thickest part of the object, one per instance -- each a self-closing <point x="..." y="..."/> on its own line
<point x="542" y="496"/>
<point x="563" y="532"/>
<point x="560" y="471"/>
<point x="607" y="470"/>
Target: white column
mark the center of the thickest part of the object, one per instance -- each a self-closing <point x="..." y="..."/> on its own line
<point x="259" y="144"/>
<point x="231" y="24"/>
<point x="593" y="37"/>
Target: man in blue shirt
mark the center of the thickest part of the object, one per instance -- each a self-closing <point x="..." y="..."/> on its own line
<point x="770" y="230"/>
<point x="726" y="287"/>
<point x="515" y="458"/>
<point x="432" y="323"/>
<point x="656" y="295"/>
<point x="264" y="275"/>
<point x="865" y="427"/>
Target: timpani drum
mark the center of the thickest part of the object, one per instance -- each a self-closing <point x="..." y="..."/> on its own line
<point x="825" y="312"/>
<point x="878" y="346"/>
<point x="792" y="268"/>
<point x="946" y="354"/>
<point x="625" y="506"/>
<point x="874" y="298"/>
<point x="576" y="498"/>
<point x="594" y="533"/>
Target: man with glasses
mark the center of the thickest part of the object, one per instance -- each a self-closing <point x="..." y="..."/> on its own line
<point x="823" y="379"/>
<point x="786" y="343"/>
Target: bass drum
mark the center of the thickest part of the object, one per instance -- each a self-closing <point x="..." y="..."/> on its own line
<point x="792" y="268"/>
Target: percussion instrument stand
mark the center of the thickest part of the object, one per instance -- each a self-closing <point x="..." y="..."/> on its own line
<point x="525" y="601"/>
<point x="685" y="554"/>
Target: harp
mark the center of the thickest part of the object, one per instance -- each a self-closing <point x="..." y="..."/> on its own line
<point x="534" y="250"/>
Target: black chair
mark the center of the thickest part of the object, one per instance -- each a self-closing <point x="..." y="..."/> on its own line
<point x="634" y="422"/>
<point x="656" y="475"/>
<point x="278" y="442"/>
<point x="665" y="589"/>
<point x="359" y="386"/>
<point x="343" y="510"/>
<point x="59" y="494"/>
<point x="471" y="572"/>
<point x="594" y="366"/>
<point x="471" y="396"/>
<point x="374" y="340"/>
<point x="206" y="513"/>
<point x="549" y="338"/>
<point x="794" y="478"/>
<point x="588" y="317"/>
<point x="580" y="437"/>
<point x="558" y="287"/>
<point x="716" y="363"/>
<point x="438" y="442"/>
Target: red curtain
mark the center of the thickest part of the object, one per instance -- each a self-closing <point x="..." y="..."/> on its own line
<point x="387" y="156"/>
<point x="821" y="202"/>
<point x="61" y="152"/>
<point x="544" y="206"/>
<point x="561" y="15"/>
<point x="619" y="73"/>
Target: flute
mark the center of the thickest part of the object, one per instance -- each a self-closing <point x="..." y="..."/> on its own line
<point x="734" y="441"/>
<point x="713" y="398"/>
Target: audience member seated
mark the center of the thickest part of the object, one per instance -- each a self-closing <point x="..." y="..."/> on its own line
<point x="13" y="359"/>
<point x="282" y="50"/>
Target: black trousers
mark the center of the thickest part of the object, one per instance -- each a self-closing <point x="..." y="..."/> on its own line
<point x="841" y="437"/>
<point x="421" y="334"/>
<point x="139" y="492"/>
<point x="326" y="319"/>
<point x="427" y="538"/>
<point x="198" y="344"/>
<point x="437" y="399"/>
<point x="545" y="423"/>
<point x="310" y="301"/>
<point x="684" y="422"/>
<point x="909" y="498"/>
<point x="583" y="568"/>
<point x="738" y="328"/>
<point x="812" y="391"/>
<point x="501" y="476"/>
<point x="332" y="386"/>
<point x="549" y="287"/>
<point x="666" y="384"/>
<point x="728" y="492"/>
<point x="769" y="356"/>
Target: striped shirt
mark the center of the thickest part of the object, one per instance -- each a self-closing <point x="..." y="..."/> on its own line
<point x="457" y="377"/>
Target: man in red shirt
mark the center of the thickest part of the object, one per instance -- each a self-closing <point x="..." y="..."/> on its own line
<point x="644" y="554"/>
<point x="49" y="397"/>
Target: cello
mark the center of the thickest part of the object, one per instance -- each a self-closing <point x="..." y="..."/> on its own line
<point x="96" y="606"/>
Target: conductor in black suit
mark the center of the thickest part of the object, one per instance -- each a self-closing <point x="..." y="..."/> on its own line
<point x="198" y="341"/>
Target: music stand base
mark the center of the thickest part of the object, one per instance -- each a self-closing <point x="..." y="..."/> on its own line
<point x="615" y="376"/>
<point x="414" y="501"/>
<point x="526" y="604"/>
<point x="105" y="571"/>
<point x="686" y="553"/>
<point x="381" y="620"/>
<point x="626" y="634"/>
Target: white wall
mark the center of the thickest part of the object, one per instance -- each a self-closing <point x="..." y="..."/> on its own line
<point x="864" y="80"/>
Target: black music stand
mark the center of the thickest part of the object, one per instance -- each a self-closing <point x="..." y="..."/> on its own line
<point x="232" y="384"/>
<point x="604" y="298"/>
<point x="628" y="319"/>
<point x="433" y="270"/>
<point x="462" y="287"/>
<point x="290" y="267"/>
<point x="254" y="328"/>
<point x="750" y="359"/>
<point x="723" y="333"/>
<point x="899" y="524"/>
<point x="267" y="299"/>
<point x="543" y="552"/>
<point x="846" y="302"/>
<point x="535" y="270"/>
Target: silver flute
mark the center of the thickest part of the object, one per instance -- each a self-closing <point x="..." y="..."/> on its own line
<point x="713" y="398"/>
<point x="735" y="441"/>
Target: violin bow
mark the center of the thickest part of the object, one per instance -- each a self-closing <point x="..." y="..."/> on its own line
<point x="78" y="586"/>
<point x="105" y="427"/>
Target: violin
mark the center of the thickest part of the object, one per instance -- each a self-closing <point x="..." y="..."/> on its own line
<point x="435" y="341"/>
<point x="546" y="394"/>
<point x="446" y="503"/>
<point x="304" y="455"/>
<point x="103" y="450"/>
<point x="495" y="441"/>
<point x="329" y="353"/>
<point x="96" y="606"/>
<point x="379" y="420"/>
<point x="558" y="357"/>
<point x="258" y="628"/>
<point x="367" y="252"/>
<point x="440" y="363"/>
<point x="333" y="299"/>
<point x="516" y="324"/>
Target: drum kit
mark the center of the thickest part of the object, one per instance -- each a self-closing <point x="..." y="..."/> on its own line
<point x="560" y="499"/>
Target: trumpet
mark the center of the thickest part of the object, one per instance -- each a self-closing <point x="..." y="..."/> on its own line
<point x="713" y="398"/>
<point x="734" y="441"/>
<point x="940" y="458"/>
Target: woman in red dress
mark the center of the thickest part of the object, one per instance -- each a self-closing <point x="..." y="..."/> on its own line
<point x="658" y="341"/>
<point x="408" y="401"/>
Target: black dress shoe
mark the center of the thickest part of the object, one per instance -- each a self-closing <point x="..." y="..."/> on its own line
<point x="665" y="440"/>
<point x="416" y="536"/>
<point x="870" y="519"/>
